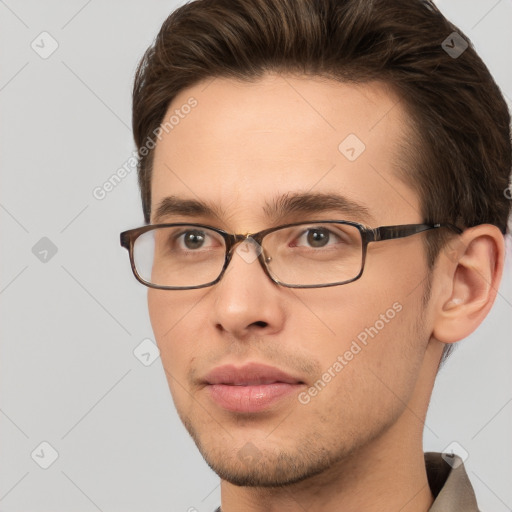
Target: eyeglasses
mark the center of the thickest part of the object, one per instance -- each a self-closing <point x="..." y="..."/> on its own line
<point x="313" y="254"/>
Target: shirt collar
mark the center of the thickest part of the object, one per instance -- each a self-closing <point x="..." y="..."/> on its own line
<point x="449" y="484"/>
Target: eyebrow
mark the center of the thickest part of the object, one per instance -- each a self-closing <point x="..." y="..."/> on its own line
<point x="289" y="204"/>
<point x="311" y="203"/>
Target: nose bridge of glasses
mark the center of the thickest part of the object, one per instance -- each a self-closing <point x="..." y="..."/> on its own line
<point x="246" y="246"/>
<point x="237" y="239"/>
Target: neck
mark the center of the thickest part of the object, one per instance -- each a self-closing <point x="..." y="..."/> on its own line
<point x="388" y="473"/>
<point x="373" y="479"/>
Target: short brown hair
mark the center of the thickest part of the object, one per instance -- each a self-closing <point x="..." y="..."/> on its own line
<point x="460" y="159"/>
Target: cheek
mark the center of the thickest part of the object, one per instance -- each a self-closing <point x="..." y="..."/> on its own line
<point x="369" y="369"/>
<point x="375" y="332"/>
<point x="171" y="321"/>
<point x="158" y="308"/>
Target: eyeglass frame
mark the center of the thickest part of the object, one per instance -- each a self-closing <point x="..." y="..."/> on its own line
<point x="368" y="235"/>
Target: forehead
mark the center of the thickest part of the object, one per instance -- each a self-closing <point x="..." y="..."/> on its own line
<point x="243" y="145"/>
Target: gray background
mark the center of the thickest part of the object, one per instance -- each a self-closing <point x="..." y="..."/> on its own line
<point x="70" y="323"/>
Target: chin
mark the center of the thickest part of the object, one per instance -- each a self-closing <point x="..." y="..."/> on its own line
<point x="270" y="474"/>
<point x="266" y="465"/>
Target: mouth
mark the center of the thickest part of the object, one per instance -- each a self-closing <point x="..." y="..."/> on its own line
<point x="251" y="388"/>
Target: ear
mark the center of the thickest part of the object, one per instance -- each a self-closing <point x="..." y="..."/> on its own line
<point x="470" y="269"/>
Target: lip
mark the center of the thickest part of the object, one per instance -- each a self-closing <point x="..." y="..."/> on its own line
<point x="250" y="388"/>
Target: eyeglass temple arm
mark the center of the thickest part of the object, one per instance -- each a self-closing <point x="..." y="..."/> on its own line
<point x="403" y="230"/>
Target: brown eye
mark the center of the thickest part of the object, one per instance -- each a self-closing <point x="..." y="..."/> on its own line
<point x="193" y="239"/>
<point x="318" y="237"/>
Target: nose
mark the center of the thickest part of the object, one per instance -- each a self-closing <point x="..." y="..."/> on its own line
<point x="246" y="301"/>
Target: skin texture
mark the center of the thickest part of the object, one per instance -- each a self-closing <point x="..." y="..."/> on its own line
<point x="357" y="444"/>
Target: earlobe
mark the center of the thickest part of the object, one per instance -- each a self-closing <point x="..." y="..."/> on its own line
<point x="471" y="276"/>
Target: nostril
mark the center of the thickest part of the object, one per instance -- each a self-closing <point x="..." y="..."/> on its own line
<point x="260" y="323"/>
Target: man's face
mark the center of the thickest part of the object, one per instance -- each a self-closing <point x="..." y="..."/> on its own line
<point x="241" y="147"/>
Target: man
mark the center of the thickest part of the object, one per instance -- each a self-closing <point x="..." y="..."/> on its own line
<point x="360" y="151"/>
